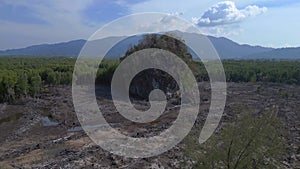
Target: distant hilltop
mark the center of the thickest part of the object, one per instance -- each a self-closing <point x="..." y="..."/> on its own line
<point x="226" y="48"/>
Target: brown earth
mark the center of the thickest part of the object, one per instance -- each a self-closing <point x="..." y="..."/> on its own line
<point x="26" y="143"/>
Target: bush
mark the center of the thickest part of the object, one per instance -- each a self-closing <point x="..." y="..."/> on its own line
<point x="250" y="142"/>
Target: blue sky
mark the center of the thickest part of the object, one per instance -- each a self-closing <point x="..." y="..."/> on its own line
<point x="273" y="23"/>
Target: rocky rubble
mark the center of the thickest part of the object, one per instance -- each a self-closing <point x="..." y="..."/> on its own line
<point x="26" y="143"/>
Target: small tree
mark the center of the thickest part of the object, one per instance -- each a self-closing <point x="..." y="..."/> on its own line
<point x="35" y="84"/>
<point x="22" y="85"/>
<point x="251" y="142"/>
<point x="8" y="83"/>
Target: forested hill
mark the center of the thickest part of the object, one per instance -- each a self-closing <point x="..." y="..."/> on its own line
<point x="288" y="53"/>
<point x="226" y="48"/>
<point x="72" y="48"/>
<point x="67" y="49"/>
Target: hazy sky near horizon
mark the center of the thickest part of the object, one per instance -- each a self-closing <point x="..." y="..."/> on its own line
<point x="272" y="23"/>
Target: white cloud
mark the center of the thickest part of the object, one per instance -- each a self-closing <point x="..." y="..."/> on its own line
<point x="189" y="8"/>
<point x="222" y="30"/>
<point x="66" y="20"/>
<point x="227" y="13"/>
<point x="137" y="24"/>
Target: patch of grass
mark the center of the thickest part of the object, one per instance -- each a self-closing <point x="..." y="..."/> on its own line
<point x="11" y="118"/>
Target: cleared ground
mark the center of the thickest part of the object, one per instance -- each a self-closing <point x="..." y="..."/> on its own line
<point x="27" y="142"/>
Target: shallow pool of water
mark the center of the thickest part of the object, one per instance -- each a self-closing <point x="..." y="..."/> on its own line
<point x="47" y="122"/>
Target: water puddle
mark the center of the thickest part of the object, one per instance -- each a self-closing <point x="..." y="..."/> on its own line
<point x="75" y="129"/>
<point x="46" y="122"/>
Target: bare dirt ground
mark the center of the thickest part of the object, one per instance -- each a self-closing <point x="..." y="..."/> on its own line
<point x="28" y="141"/>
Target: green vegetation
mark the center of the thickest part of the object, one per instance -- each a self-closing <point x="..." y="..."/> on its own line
<point x="106" y="71"/>
<point x="13" y="117"/>
<point x="287" y="72"/>
<point x="249" y="142"/>
<point x="263" y="71"/>
<point x="25" y="76"/>
<point x="20" y="76"/>
<point x="166" y="42"/>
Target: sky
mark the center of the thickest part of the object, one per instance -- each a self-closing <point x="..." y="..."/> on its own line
<point x="270" y="23"/>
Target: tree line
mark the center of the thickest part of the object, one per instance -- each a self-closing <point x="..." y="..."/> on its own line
<point x="25" y="76"/>
<point x="287" y="72"/>
<point x="20" y="76"/>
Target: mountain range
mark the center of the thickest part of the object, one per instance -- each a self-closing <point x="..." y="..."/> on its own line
<point x="226" y="48"/>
